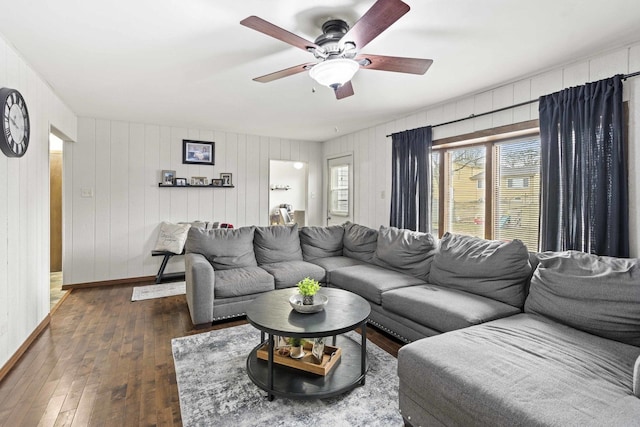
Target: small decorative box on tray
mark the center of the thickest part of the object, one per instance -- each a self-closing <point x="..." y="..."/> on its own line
<point x="307" y="363"/>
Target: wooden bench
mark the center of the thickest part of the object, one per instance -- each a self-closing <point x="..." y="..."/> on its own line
<point x="166" y="277"/>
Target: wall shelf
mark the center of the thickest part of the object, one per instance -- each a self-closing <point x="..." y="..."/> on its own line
<point x="195" y="186"/>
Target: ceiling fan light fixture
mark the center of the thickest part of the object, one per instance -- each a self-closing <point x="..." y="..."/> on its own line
<point x="334" y="72"/>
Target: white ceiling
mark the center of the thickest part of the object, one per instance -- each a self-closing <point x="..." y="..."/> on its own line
<point x="190" y="63"/>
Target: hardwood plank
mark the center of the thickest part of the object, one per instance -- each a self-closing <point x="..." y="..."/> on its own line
<point x="105" y="360"/>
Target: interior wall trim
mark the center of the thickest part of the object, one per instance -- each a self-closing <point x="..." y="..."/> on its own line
<point x="126" y="281"/>
<point x="13" y="360"/>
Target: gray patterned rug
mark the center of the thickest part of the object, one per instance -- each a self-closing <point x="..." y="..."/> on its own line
<point x="158" y="291"/>
<point x="215" y="390"/>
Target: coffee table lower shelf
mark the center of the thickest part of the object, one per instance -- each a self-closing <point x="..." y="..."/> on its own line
<point x="297" y="384"/>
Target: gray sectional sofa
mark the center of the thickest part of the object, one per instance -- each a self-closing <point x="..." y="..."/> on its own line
<point x="497" y="335"/>
<point x="389" y="267"/>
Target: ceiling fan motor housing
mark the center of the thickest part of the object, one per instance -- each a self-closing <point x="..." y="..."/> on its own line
<point x="332" y="32"/>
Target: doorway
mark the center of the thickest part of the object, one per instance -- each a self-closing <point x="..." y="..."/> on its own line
<point x="340" y="190"/>
<point x="288" y="189"/>
<point x="56" y="146"/>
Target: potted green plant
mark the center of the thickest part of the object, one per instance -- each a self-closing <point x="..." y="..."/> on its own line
<point x="297" y="345"/>
<point x="308" y="288"/>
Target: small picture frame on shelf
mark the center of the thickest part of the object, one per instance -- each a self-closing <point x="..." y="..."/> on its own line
<point x="318" y="350"/>
<point x="226" y="179"/>
<point x="168" y="177"/>
<point x="216" y="182"/>
<point x="199" y="180"/>
<point x="182" y="182"/>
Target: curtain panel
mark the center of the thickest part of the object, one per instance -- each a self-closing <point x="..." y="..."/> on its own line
<point x="410" y="179"/>
<point x="584" y="196"/>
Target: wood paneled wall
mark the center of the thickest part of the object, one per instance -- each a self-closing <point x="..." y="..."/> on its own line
<point x="112" y="233"/>
<point x="24" y="207"/>
<point x="372" y="149"/>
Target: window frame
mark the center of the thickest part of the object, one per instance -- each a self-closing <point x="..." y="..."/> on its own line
<point x="488" y="138"/>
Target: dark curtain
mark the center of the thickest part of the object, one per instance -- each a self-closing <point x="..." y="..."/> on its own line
<point x="584" y="196"/>
<point x="410" y="183"/>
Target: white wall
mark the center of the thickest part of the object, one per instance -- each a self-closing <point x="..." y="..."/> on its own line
<point x="111" y="235"/>
<point x="24" y="207"/>
<point x="372" y="149"/>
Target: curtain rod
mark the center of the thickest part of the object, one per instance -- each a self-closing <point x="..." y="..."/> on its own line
<point x="473" y="116"/>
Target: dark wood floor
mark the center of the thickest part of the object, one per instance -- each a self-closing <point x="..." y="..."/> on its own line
<point x="107" y="361"/>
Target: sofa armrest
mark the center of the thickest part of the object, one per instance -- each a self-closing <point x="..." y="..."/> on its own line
<point x="200" y="279"/>
<point x="636" y="377"/>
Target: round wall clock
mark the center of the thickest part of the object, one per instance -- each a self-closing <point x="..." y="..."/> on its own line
<point x="15" y="123"/>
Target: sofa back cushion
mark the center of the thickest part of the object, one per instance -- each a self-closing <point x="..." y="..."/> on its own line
<point x="359" y="242"/>
<point x="225" y="248"/>
<point x="596" y="294"/>
<point x="406" y="251"/>
<point x="490" y="268"/>
<point x="277" y="243"/>
<point x="321" y="242"/>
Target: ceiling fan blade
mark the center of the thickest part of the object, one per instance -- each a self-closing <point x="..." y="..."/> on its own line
<point x="284" y="73"/>
<point x="344" y="91"/>
<point x="276" y="32"/>
<point x="377" y="19"/>
<point x="396" y="63"/>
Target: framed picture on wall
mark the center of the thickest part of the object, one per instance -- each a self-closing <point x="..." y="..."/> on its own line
<point x="198" y="152"/>
<point x="181" y="181"/>
<point x="216" y="182"/>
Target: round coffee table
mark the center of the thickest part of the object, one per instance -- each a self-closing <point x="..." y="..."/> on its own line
<point x="272" y="314"/>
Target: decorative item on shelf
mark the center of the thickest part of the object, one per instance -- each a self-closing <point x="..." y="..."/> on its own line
<point x="297" y="350"/>
<point x="199" y="180"/>
<point x="280" y="187"/>
<point x="168" y="177"/>
<point x="226" y="179"/>
<point x="308" y="363"/>
<point x="308" y="287"/>
<point x="318" y="350"/>
<point x="216" y="182"/>
<point x="198" y="152"/>
<point x="181" y="182"/>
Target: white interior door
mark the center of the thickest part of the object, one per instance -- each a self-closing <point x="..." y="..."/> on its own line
<point x="340" y="190"/>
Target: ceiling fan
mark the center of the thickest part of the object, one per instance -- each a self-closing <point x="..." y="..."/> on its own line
<point x="338" y="48"/>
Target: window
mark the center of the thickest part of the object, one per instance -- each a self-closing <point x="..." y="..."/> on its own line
<point x="491" y="189"/>
<point x="464" y="204"/>
<point x="339" y="190"/>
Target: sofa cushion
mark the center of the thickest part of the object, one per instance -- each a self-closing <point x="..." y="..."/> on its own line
<point x="288" y="273"/>
<point x="406" y="251"/>
<point x="444" y="309"/>
<point x="321" y="242"/>
<point x="336" y="262"/>
<point x="241" y="281"/>
<point x="494" y="269"/>
<point x="172" y="237"/>
<point x="370" y="281"/>
<point x="277" y="243"/>
<point x="224" y="248"/>
<point x="597" y="294"/>
<point x="359" y="242"/>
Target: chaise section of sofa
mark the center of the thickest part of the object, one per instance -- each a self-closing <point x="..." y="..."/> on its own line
<point x="568" y="360"/>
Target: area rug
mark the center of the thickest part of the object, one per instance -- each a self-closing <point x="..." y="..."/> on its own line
<point x="215" y="389"/>
<point x="158" y="291"/>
